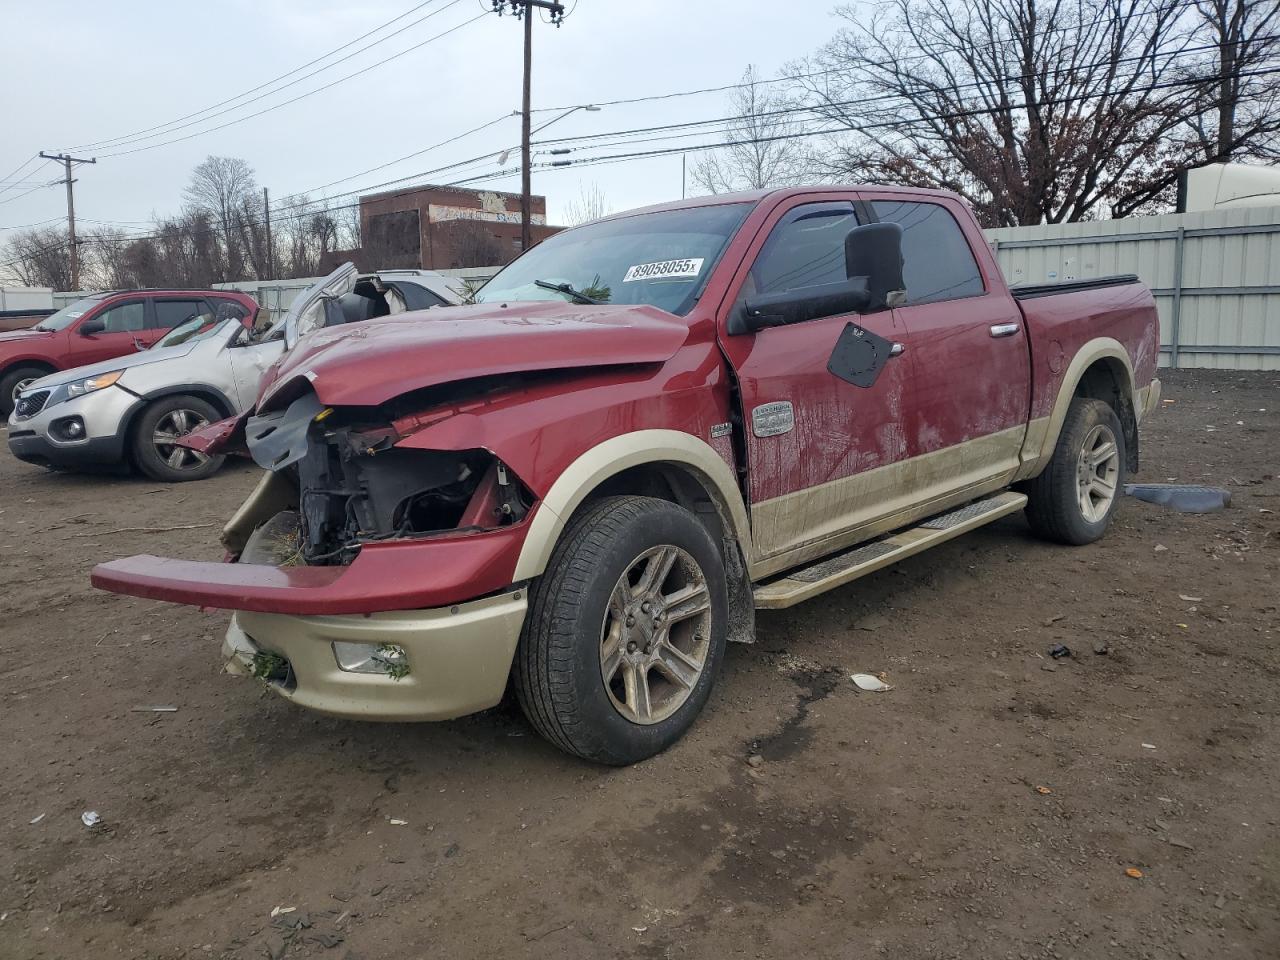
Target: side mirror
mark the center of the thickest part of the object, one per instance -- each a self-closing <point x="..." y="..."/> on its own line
<point x="801" y="304"/>
<point x="91" y="326"/>
<point x="874" y="251"/>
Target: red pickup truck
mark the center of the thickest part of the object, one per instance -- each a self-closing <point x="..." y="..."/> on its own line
<point x="645" y="428"/>
<point x="100" y="327"/>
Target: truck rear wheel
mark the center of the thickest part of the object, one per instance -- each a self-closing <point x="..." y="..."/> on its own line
<point x="1073" y="499"/>
<point x="625" y="632"/>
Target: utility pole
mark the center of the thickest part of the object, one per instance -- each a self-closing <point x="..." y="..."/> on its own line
<point x="271" y="251"/>
<point x="524" y="9"/>
<point x="66" y="160"/>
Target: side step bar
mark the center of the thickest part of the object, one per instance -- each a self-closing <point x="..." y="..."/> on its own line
<point x="806" y="582"/>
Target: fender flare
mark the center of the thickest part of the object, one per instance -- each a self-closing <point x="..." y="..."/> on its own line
<point x="613" y="456"/>
<point x="1040" y="443"/>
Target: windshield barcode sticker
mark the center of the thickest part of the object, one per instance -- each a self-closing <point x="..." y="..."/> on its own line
<point x="664" y="270"/>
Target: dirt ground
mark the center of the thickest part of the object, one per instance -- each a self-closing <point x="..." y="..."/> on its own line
<point x="988" y="806"/>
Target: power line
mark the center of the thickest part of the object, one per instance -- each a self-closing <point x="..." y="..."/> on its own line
<point x="302" y="96"/>
<point x="241" y="96"/>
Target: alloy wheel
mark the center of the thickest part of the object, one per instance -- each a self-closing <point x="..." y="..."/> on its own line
<point x="175" y="424"/>
<point x="656" y="635"/>
<point x="1097" y="472"/>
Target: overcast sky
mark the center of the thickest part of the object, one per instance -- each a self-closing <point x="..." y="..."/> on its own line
<point x="74" y="74"/>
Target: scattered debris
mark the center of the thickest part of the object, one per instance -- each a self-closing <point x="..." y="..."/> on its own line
<point x="1148" y="746"/>
<point x="755" y="760"/>
<point x="396" y="822"/>
<point x="1189" y="599"/>
<point x="1101" y="648"/>
<point x="1133" y="872"/>
<point x="1184" y="626"/>
<point x="639" y="929"/>
<point x="36" y="820"/>
<point x="452" y="850"/>
<point x="1054" y="619"/>
<point x="277" y="911"/>
<point x="1174" y="842"/>
<point x="1059" y="651"/>
<point x="154" y="710"/>
<point x="1161" y="548"/>
<point x="90" y="818"/>
<point x="1045" y="791"/>
<point x="870" y="683"/>
<point x="1183" y="497"/>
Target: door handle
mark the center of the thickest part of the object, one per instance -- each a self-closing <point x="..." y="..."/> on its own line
<point x="1004" y="329"/>
<point x="898" y="349"/>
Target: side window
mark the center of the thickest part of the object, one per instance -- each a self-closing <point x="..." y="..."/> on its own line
<point x="170" y="313"/>
<point x="125" y="317"/>
<point x="937" y="261"/>
<point x="804" y="249"/>
<point x="228" y="309"/>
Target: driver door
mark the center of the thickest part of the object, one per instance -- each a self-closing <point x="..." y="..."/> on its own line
<point x="823" y="454"/>
<point x="124" y="323"/>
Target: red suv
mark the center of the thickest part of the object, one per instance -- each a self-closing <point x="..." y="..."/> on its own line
<point x="101" y="327"/>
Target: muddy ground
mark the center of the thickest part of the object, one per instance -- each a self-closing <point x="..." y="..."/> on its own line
<point x="988" y="806"/>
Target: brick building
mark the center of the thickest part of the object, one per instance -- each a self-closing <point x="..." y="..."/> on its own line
<point x="440" y="228"/>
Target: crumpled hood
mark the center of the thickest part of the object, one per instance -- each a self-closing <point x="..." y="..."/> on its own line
<point x="370" y="363"/>
<point x="138" y="359"/>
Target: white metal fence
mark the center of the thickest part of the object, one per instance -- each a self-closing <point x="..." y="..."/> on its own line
<point x="1215" y="275"/>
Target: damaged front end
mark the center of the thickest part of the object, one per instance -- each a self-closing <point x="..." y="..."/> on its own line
<point x="352" y="486"/>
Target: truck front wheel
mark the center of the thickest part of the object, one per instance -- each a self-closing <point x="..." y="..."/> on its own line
<point x="1073" y="499"/>
<point x="625" y="632"/>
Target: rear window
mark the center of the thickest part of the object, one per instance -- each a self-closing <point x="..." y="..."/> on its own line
<point x="937" y="262"/>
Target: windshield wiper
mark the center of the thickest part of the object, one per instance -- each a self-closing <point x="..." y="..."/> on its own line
<point x="567" y="291"/>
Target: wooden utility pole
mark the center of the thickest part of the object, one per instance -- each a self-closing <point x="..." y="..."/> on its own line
<point x="524" y="9"/>
<point x="66" y="160"/>
<point x="271" y="251"/>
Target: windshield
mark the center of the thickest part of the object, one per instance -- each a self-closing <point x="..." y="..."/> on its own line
<point x="661" y="259"/>
<point x="197" y="328"/>
<point x="68" y="315"/>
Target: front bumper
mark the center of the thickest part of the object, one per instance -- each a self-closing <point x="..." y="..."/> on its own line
<point x="105" y="416"/>
<point x="458" y="656"/>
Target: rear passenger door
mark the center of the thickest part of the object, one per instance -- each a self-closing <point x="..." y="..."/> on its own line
<point x="967" y="349"/>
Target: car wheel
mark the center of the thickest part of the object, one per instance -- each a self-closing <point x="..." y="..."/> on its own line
<point x="14" y="382"/>
<point x="1073" y="499"/>
<point x="155" y="447"/>
<point x="625" y="631"/>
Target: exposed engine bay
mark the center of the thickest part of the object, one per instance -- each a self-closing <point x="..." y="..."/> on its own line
<point x="355" y="486"/>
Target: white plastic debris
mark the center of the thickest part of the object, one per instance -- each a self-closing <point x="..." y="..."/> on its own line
<point x="396" y="822"/>
<point x="1148" y="746"/>
<point x="870" y="683"/>
<point x="277" y="911"/>
<point x="36" y="820"/>
<point x="90" y="818"/>
<point x="1190" y="599"/>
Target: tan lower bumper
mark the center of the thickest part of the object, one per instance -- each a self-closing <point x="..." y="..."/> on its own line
<point x="458" y="657"/>
<point x="1148" y="399"/>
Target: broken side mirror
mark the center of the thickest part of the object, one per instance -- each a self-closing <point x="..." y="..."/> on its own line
<point x="873" y="252"/>
<point x="801" y="304"/>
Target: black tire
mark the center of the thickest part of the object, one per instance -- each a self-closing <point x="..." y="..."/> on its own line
<point x="11" y="380"/>
<point x="1055" y="507"/>
<point x="149" y="457"/>
<point x="558" y="675"/>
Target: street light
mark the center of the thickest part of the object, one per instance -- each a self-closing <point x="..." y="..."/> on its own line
<point x="506" y="154"/>
<point x="525" y="179"/>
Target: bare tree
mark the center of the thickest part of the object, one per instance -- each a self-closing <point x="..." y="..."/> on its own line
<point x="1244" y="119"/>
<point x="219" y="188"/>
<point x="37" y="257"/>
<point x="761" y="147"/>
<point x="589" y="205"/>
<point x="1034" y="110"/>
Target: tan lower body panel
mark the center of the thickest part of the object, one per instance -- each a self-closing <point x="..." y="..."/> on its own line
<point x="798" y="527"/>
<point x="800" y="585"/>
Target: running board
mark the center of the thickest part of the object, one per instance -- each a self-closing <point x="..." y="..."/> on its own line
<point x="836" y="571"/>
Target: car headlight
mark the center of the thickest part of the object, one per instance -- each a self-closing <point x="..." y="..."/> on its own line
<point x="78" y="388"/>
